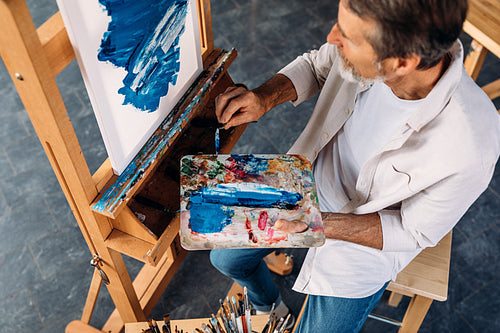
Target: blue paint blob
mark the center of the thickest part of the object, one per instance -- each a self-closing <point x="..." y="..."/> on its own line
<point x="207" y="218"/>
<point x="251" y="164"/>
<point x="246" y="194"/>
<point x="209" y="210"/>
<point x="143" y="38"/>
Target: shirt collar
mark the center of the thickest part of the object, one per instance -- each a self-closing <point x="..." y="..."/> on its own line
<point x="440" y="95"/>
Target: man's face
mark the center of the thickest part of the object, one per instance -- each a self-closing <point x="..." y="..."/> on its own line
<point x="358" y="57"/>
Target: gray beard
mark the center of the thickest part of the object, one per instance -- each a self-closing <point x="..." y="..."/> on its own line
<point x="348" y="73"/>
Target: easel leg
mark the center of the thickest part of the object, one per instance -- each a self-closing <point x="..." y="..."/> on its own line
<point x="95" y="288"/>
<point x="121" y="289"/>
<point x="415" y="314"/>
<point x="150" y="284"/>
<point x="475" y="58"/>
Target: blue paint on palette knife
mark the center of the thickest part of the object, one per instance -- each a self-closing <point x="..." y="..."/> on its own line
<point x="143" y="38"/>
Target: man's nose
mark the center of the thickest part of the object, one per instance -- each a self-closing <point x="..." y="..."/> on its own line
<point x="334" y="36"/>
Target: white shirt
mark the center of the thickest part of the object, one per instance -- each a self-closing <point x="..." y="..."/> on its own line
<point x="421" y="181"/>
<point x="377" y="116"/>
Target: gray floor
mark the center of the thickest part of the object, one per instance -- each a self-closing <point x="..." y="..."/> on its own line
<point x="44" y="269"/>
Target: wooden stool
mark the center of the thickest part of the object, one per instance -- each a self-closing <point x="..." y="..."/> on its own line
<point x="425" y="279"/>
<point x="483" y="25"/>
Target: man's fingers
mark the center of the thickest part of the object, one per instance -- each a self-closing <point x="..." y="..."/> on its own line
<point x="222" y="100"/>
<point x="291" y="226"/>
<point x="238" y="119"/>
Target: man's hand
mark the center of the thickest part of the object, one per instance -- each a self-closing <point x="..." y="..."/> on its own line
<point x="237" y="106"/>
<point x="360" y="229"/>
<point x="291" y="226"/>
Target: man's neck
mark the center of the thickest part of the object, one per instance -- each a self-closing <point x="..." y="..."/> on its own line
<point x="419" y="83"/>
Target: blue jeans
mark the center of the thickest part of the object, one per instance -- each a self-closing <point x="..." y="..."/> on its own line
<point x="321" y="314"/>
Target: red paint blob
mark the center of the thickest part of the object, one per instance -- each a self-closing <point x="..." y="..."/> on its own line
<point x="251" y="236"/>
<point x="262" y="220"/>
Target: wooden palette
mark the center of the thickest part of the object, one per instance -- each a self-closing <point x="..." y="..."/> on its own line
<point x="233" y="201"/>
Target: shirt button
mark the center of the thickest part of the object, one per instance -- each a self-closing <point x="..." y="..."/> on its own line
<point x="325" y="135"/>
<point x="347" y="111"/>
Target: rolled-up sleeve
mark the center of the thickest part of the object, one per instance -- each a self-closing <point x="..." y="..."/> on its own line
<point x="395" y="237"/>
<point x="309" y="71"/>
<point x="425" y="218"/>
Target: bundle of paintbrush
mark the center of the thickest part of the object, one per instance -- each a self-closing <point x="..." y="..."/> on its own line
<point x="233" y="316"/>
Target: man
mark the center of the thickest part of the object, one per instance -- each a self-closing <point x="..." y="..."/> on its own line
<point x="402" y="143"/>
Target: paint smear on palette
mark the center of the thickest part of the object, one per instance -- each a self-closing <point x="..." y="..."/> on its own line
<point x="143" y="38"/>
<point x="233" y="201"/>
<point x="209" y="212"/>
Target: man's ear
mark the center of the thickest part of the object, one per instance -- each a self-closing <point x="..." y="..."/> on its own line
<point x="404" y="66"/>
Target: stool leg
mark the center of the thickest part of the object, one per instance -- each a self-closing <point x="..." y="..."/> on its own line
<point x="394" y="299"/>
<point x="415" y="314"/>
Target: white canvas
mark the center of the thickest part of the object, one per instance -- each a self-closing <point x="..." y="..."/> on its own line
<point x="125" y="126"/>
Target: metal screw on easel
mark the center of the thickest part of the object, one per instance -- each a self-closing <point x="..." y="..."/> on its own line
<point x="19" y="77"/>
<point x="95" y="263"/>
<point x="288" y="259"/>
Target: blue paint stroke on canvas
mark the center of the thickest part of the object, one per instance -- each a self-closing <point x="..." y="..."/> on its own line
<point x="209" y="211"/>
<point x="143" y="38"/>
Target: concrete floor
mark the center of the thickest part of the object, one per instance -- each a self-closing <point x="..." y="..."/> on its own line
<point x="44" y="270"/>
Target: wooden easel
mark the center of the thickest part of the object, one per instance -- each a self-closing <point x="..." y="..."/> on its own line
<point x="33" y="58"/>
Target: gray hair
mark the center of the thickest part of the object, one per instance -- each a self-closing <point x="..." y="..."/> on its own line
<point x="427" y="28"/>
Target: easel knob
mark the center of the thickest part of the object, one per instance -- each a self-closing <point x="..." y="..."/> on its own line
<point x="95" y="261"/>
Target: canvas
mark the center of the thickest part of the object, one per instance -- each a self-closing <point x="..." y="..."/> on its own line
<point x="137" y="59"/>
<point x="233" y="201"/>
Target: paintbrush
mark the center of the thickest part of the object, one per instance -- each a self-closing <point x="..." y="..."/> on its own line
<point x="205" y="328"/>
<point x="151" y="324"/>
<point x="273" y="324"/>
<point x="217" y="141"/>
<point x="233" y="315"/>
<point x="269" y="319"/>
<point x="239" y="323"/>
<point x="155" y="326"/>
<point x="276" y="329"/>
<point x="241" y="309"/>
<point x="166" y="325"/>
<point x="212" y="329"/>
<point x="282" y="329"/>
<point x="215" y="324"/>
<point x="224" y="317"/>
<point x="248" y="315"/>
